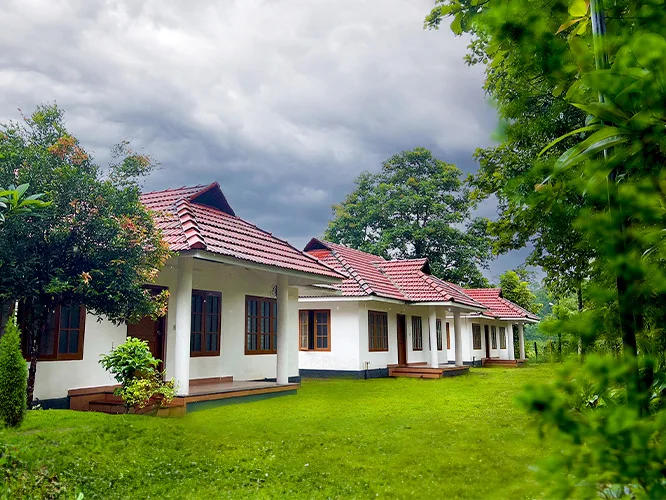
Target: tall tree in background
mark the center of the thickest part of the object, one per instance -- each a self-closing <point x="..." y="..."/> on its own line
<point x="95" y="244"/>
<point x="515" y="287"/>
<point x="414" y="207"/>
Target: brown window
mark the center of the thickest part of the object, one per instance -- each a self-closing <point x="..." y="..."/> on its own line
<point x="417" y="333"/>
<point x="260" y="325"/>
<point x="439" y="334"/>
<point x="476" y="336"/>
<point x="493" y="336"/>
<point x="377" y="331"/>
<point x="502" y="335"/>
<point x="448" y="336"/>
<point x="206" y="323"/>
<point x="315" y="330"/>
<point x="63" y="337"/>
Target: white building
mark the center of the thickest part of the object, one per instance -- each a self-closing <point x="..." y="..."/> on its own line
<point x="232" y="311"/>
<point x="387" y="316"/>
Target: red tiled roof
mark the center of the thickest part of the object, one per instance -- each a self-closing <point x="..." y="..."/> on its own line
<point x="406" y="280"/>
<point x="497" y="305"/>
<point x="200" y="218"/>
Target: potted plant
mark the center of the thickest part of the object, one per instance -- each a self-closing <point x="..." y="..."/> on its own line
<point x="142" y="386"/>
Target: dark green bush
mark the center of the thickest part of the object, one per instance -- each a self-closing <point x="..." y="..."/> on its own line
<point x="13" y="377"/>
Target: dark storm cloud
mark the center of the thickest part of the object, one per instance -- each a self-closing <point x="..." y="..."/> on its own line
<point x="283" y="102"/>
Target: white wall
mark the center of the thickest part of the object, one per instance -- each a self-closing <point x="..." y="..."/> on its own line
<point x="344" y="353"/>
<point x="349" y="336"/>
<point x="469" y="353"/>
<point x="55" y="378"/>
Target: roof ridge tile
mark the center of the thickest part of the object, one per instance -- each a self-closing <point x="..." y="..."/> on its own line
<point x="189" y="224"/>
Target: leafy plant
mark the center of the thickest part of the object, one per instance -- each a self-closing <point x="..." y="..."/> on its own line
<point x="135" y="368"/>
<point x="129" y="360"/>
<point x="606" y="448"/>
<point x="14" y="202"/>
<point x="139" y="391"/>
<point x="13" y="377"/>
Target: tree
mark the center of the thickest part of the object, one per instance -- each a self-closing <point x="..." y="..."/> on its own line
<point x="94" y="245"/>
<point x="415" y="207"/>
<point x="516" y="288"/>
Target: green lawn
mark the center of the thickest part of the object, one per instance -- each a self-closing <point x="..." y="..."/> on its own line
<point x="389" y="438"/>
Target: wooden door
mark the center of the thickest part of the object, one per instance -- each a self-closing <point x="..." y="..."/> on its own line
<point x="487" y="331"/>
<point x="152" y="332"/>
<point x="402" y="340"/>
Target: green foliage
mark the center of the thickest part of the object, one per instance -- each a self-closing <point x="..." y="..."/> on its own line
<point x="20" y="481"/>
<point x="597" y="194"/>
<point x="13" y="377"/>
<point x="518" y="291"/>
<point x="135" y="368"/>
<point x="95" y="244"/>
<point x="13" y="201"/>
<point x="139" y="391"/>
<point x="412" y="208"/>
<point x="305" y="446"/>
<point x="606" y="448"/>
<point x="129" y="360"/>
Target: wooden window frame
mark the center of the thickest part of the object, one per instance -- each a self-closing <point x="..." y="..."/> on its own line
<point x="438" y="330"/>
<point x="493" y="336"/>
<point x="272" y="325"/>
<point x="204" y="352"/>
<point x="476" y="328"/>
<point x="382" y="326"/>
<point x="314" y="313"/>
<point x="57" y="355"/>
<point x="502" y="337"/>
<point x="448" y="336"/>
<point x="417" y="340"/>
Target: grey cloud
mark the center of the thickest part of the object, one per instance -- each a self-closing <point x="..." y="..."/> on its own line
<point x="283" y="102"/>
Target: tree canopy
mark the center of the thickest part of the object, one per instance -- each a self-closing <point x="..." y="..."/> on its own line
<point x="95" y="243"/>
<point x="516" y="288"/>
<point x="416" y="206"/>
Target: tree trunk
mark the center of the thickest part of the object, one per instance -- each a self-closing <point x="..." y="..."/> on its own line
<point x="581" y="344"/>
<point x="37" y="323"/>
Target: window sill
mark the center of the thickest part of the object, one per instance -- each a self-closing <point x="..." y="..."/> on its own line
<point x="204" y="354"/>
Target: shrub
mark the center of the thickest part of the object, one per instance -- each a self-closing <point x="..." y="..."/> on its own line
<point x="128" y="360"/>
<point x="13" y="377"/>
<point x="139" y="391"/>
<point x="606" y="448"/>
<point x="134" y="367"/>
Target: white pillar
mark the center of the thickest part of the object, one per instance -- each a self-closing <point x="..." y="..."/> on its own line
<point x="457" y="336"/>
<point x="509" y="341"/>
<point x="183" y="325"/>
<point x="521" y="336"/>
<point x="432" y="329"/>
<point x="282" y="329"/>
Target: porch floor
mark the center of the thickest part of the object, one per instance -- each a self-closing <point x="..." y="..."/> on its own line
<point x="502" y="362"/>
<point x="422" y="370"/>
<point x="202" y="394"/>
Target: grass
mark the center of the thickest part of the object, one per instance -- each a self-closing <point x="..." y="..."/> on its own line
<point x="459" y="437"/>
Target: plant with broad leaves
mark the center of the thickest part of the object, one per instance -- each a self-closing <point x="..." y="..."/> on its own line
<point x="13" y="201"/>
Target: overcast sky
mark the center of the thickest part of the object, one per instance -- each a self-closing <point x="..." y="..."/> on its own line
<point x="283" y="102"/>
